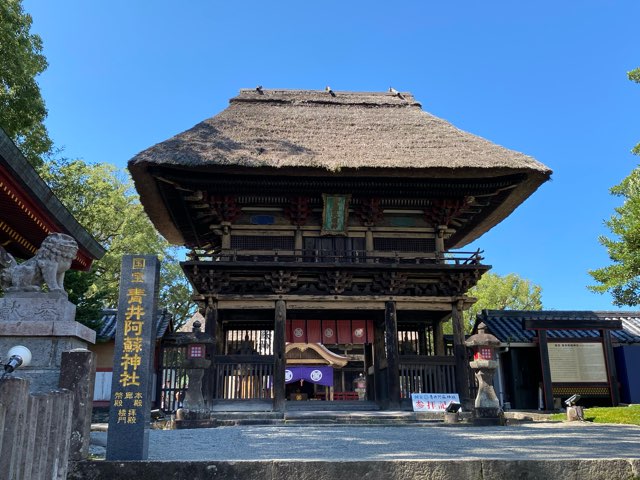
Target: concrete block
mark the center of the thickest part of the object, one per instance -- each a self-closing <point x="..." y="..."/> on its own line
<point x="65" y="432"/>
<point x="3" y="409"/>
<point x="78" y="374"/>
<point x="41" y="445"/>
<point x="30" y="431"/>
<point x="14" y="393"/>
<point x="596" y="469"/>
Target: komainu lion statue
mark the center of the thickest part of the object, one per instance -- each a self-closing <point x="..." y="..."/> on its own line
<point x="48" y="266"/>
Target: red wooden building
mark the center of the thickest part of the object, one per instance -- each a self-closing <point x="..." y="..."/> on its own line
<point x="29" y="211"/>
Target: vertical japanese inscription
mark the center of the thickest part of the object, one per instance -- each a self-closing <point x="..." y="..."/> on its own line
<point x="128" y="437"/>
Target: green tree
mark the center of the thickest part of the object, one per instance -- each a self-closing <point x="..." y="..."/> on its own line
<point x="103" y="200"/>
<point x="509" y="292"/>
<point x="622" y="278"/>
<point x="22" y="109"/>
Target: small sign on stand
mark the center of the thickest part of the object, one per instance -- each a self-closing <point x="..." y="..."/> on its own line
<point x="128" y="437"/>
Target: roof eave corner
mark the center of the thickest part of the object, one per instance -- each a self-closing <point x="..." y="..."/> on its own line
<point x="152" y="201"/>
<point x="519" y="194"/>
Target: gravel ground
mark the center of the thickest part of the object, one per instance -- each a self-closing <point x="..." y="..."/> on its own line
<point x="355" y="442"/>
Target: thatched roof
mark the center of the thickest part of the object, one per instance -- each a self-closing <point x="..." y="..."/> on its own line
<point x="290" y="128"/>
<point x="322" y="133"/>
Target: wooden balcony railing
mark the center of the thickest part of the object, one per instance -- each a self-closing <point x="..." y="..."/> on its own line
<point x="340" y="257"/>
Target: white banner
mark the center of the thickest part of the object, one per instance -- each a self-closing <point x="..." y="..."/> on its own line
<point x="433" y="402"/>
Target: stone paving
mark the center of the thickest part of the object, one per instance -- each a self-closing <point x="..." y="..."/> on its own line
<point x="529" y="441"/>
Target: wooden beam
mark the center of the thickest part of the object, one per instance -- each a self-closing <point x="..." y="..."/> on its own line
<point x="393" y="356"/>
<point x="279" y="347"/>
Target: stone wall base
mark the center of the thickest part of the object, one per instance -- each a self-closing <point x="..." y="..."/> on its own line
<point x="600" y="469"/>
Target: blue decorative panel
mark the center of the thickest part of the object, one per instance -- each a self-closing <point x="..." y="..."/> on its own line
<point x="262" y="219"/>
<point x="403" y="221"/>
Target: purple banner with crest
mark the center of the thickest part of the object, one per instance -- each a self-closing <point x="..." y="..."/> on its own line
<point x="319" y="375"/>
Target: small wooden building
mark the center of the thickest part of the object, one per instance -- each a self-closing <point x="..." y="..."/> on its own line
<point x="331" y="218"/>
<point x="550" y="355"/>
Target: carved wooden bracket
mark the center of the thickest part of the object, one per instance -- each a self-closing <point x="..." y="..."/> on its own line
<point x="335" y="282"/>
<point x="212" y="281"/>
<point x="369" y="211"/>
<point x="298" y="211"/>
<point x="226" y="207"/>
<point x="442" y="211"/>
<point x="391" y="283"/>
<point x="281" y="281"/>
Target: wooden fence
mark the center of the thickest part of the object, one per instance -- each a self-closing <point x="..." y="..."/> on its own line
<point x="245" y="377"/>
<point x="420" y="374"/>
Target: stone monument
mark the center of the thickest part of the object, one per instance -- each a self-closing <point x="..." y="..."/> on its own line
<point x="35" y="310"/>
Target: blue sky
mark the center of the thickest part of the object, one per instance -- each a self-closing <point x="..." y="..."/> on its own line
<point x="546" y="78"/>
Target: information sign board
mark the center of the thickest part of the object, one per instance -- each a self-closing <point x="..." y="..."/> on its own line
<point x="575" y="362"/>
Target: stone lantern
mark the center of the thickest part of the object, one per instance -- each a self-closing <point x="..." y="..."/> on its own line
<point x="487" y="409"/>
<point x="194" y="412"/>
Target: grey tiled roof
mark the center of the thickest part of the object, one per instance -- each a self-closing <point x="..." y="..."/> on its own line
<point x="507" y="325"/>
<point x="109" y="320"/>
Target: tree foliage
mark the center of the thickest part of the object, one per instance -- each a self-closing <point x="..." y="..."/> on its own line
<point x="622" y="277"/>
<point x="103" y="200"/>
<point x="22" y="109"/>
<point x="509" y="292"/>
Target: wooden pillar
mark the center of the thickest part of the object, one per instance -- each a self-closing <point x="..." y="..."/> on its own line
<point x="460" y="353"/>
<point x="213" y="327"/>
<point x="612" y="375"/>
<point x="546" y="369"/>
<point x="368" y="241"/>
<point x="225" y="241"/>
<point x="438" y="338"/>
<point x="440" y="240"/>
<point x="381" y="392"/>
<point x="422" y="339"/>
<point x="298" y="244"/>
<point x="393" y="357"/>
<point x="279" y="344"/>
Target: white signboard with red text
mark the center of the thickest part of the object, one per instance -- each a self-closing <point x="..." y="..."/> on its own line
<point x="433" y="402"/>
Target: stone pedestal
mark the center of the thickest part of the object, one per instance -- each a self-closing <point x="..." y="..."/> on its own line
<point x="45" y="324"/>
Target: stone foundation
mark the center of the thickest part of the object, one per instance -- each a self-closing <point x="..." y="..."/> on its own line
<point x="45" y="324"/>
